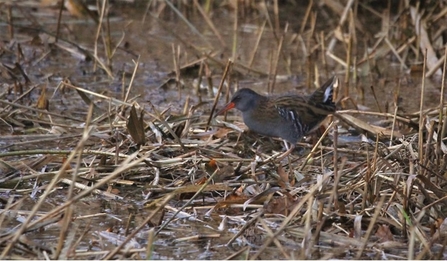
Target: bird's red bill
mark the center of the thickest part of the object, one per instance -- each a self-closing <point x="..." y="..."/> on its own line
<point x="227" y="107"/>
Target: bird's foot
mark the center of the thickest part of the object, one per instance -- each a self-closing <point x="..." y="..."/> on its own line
<point x="286" y="153"/>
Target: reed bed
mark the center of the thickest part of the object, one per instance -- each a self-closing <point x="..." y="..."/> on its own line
<point x="369" y="184"/>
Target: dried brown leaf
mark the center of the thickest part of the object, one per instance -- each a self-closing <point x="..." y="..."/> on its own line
<point x="79" y="9"/>
<point x="211" y="166"/>
<point x="374" y="130"/>
<point x="384" y="233"/>
<point x="440" y="193"/>
<point x="281" y="205"/>
<point x="233" y="198"/>
<point x="42" y="102"/>
<point x="261" y="197"/>
<point x="283" y="181"/>
<point x="135" y="126"/>
<point x="424" y="40"/>
<point x="84" y="97"/>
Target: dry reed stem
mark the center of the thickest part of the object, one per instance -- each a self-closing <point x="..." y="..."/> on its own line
<point x="235" y="33"/>
<point x="190" y="25"/>
<point x="247" y="224"/>
<point x="50" y="187"/>
<point x="371" y="225"/>
<point x="388" y="170"/>
<point x="219" y="90"/>
<point x="161" y="205"/>
<point x="275" y="240"/>
<point x="189" y="201"/>
<point x="210" y="23"/>
<point x="441" y="104"/>
<point x="272" y="77"/>
<point x="421" y="112"/>
<point x="289" y="218"/>
<point x="258" y="40"/>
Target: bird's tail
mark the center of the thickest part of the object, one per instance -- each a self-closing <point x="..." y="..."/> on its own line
<point x="323" y="96"/>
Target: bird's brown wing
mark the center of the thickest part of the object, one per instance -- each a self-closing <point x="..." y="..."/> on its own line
<point x="304" y="114"/>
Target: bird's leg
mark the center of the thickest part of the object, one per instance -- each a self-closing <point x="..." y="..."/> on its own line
<point x="288" y="151"/>
<point x="286" y="145"/>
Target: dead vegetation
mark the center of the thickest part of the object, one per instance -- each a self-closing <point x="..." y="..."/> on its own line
<point x="180" y="184"/>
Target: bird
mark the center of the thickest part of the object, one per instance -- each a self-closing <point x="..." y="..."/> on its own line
<point x="288" y="116"/>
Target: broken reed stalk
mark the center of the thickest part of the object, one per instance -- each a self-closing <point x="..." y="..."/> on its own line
<point x="369" y="192"/>
<point x="355" y="72"/>
<point x="430" y="132"/>
<point x="219" y="90"/>
<point x="349" y="56"/>
<point x="11" y="203"/>
<point x="334" y="195"/>
<point x="441" y="108"/>
<point x="175" y="58"/>
<point x="150" y="243"/>
<point x="59" y="18"/>
<point x="269" y="79"/>
<point x="109" y="99"/>
<point x="235" y="32"/>
<point x="68" y="213"/>
<point x="11" y="23"/>
<point x="321" y="219"/>
<point x="258" y="40"/>
<point x="311" y="33"/>
<point x="393" y="125"/>
<point x="141" y="226"/>
<point x="126" y="165"/>
<point x="421" y="112"/>
<point x="98" y="33"/>
<point x="190" y="25"/>
<point x="159" y="117"/>
<point x="333" y="41"/>
<point x="306" y="243"/>
<point x="198" y="192"/>
<point x="186" y="44"/>
<point x="247" y="224"/>
<point x="395" y="52"/>
<point x="353" y="40"/>
<point x="275" y="240"/>
<point x="373" y="90"/>
<point x="48" y="190"/>
<point x="306" y="16"/>
<point x="316" y="146"/>
<point x="199" y="81"/>
<point x="338" y="150"/>
<point x="210" y="23"/>
<point x="276" y="61"/>
<point x="149" y="3"/>
<point x="107" y="39"/>
<point x="276" y="13"/>
<point x="323" y="56"/>
<point x="413" y="234"/>
<point x="290" y="217"/>
<point x="241" y="254"/>
<point x="81" y="237"/>
<point x="65" y="225"/>
<point x="368" y="174"/>
<point x="132" y="79"/>
<point x="396" y="94"/>
<point x="372" y="223"/>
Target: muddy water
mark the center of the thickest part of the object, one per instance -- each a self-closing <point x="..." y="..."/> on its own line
<point x="153" y="44"/>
